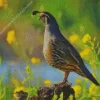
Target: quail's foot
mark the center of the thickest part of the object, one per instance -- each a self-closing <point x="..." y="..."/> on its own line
<point x="63" y="83"/>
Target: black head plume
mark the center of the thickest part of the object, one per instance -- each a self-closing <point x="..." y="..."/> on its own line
<point x="49" y="16"/>
<point x="35" y="12"/>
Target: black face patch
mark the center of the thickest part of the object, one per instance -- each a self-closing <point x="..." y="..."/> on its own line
<point x="44" y="18"/>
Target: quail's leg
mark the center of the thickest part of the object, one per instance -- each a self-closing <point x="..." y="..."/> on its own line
<point x="65" y="79"/>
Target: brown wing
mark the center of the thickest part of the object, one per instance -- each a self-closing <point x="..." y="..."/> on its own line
<point x="61" y="50"/>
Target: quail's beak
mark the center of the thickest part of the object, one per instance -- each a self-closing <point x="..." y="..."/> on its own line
<point x="42" y="19"/>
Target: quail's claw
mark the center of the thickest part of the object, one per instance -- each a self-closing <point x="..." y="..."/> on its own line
<point x="63" y="83"/>
<point x="66" y="82"/>
<point x="70" y="84"/>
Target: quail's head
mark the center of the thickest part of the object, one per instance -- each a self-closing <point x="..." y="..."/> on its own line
<point x="45" y="16"/>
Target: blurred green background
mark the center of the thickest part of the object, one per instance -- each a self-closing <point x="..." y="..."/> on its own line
<point x="22" y="65"/>
<point x="74" y="16"/>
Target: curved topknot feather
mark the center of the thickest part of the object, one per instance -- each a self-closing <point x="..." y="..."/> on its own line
<point x="35" y="12"/>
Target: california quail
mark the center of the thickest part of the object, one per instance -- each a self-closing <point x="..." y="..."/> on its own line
<point x="58" y="52"/>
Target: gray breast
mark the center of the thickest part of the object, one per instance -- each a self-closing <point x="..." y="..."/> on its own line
<point x="47" y="39"/>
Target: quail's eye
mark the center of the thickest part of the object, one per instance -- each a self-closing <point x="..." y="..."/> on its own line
<point x="42" y="16"/>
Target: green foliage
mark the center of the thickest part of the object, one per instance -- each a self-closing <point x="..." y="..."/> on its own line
<point x="74" y="16"/>
<point x="29" y="77"/>
<point x="32" y="91"/>
<point x="3" y="89"/>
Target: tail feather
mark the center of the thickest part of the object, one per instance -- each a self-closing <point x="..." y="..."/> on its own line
<point x="89" y="75"/>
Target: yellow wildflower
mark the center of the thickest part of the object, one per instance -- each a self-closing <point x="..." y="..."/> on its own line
<point x="86" y="79"/>
<point x="47" y="82"/>
<point x="18" y="89"/>
<point x="93" y="98"/>
<point x="78" y="90"/>
<point x="15" y="82"/>
<point x="91" y="61"/>
<point x="92" y="89"/>
<point x="86" y="38"/>
<point x="1" y="3"/>
<point x="11" y="37"/>
<point x="94" y="39"/>
<point x="78" y="80"/>
<point x="5" y="5"/>
<point x="71" y="97"/>
<point x="85" y="52"/>
<point x="35" y="60"/>
<point x="73" y="38"/>
<point x="94" y="74"/>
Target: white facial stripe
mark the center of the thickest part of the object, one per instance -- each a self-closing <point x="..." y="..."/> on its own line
<point x="46" y="15"/>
